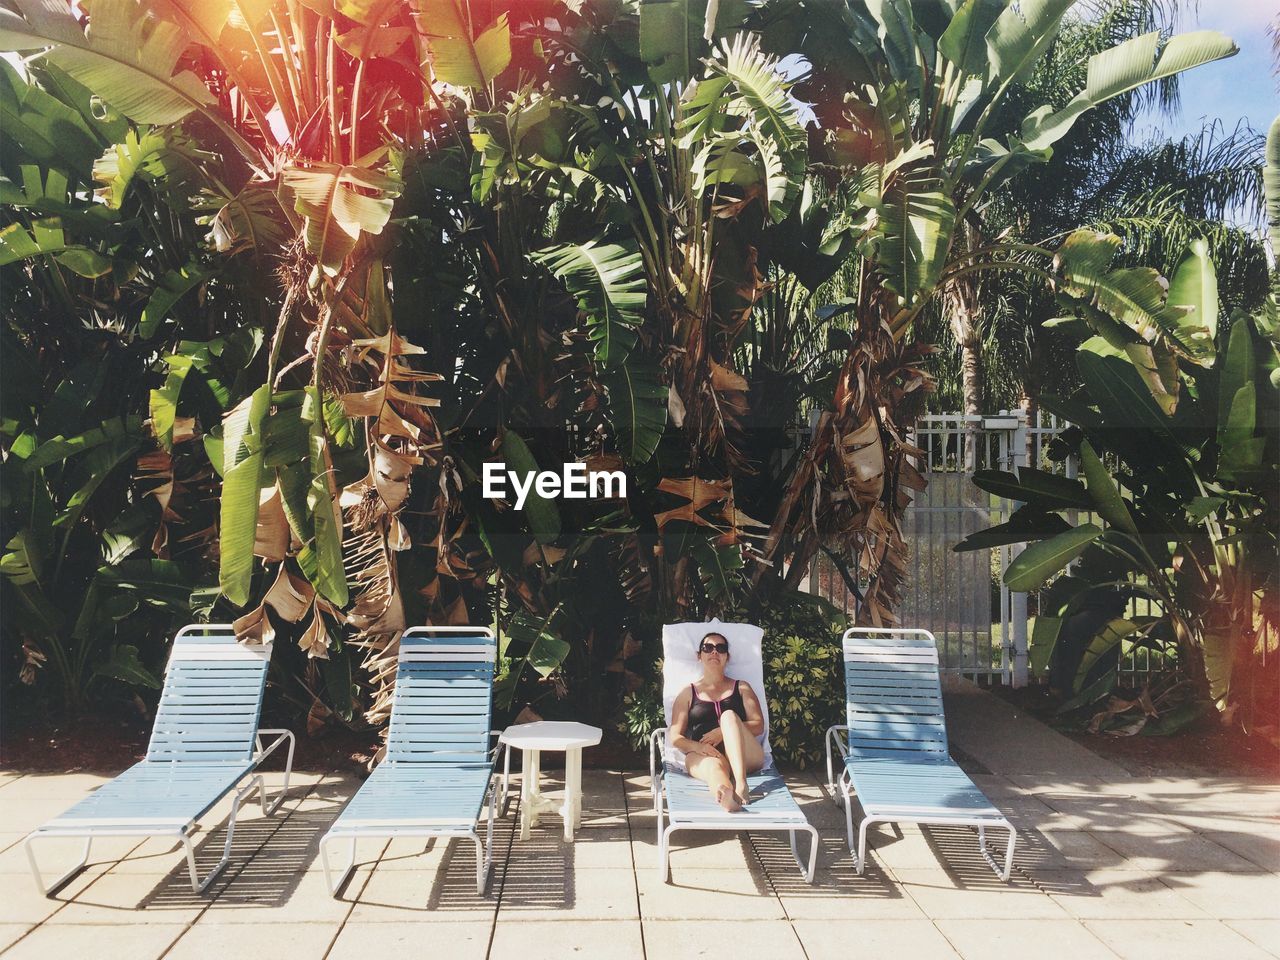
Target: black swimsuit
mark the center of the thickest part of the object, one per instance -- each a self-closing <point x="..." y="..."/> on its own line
<point x="704" y="715"/>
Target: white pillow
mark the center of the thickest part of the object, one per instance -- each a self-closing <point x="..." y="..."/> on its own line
<point x="680" y="666"/>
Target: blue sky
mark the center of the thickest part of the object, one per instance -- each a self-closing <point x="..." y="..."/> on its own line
<point x="1242" y="87"/>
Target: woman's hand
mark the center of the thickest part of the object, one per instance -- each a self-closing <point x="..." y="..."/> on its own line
<point x="702" y="749"/>
<point x="714" y="737"/>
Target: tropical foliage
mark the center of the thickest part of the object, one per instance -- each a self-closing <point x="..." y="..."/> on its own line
<point x="339" y="255"/>
<point x="1180" y="468"/>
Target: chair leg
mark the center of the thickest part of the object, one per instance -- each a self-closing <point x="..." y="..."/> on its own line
<point x="484" y="850"/>
<point x="848" y="817"/>
<point x="198" y="885"/>
<point x="288" y="769"/>
<point x="664" y="852"/>
<point x="62" y="881"/>
<point x="860" y="862"/>
<point x="335" y="886"/>
<point x="809" y="871"/>
<point x="1002" y="871"/>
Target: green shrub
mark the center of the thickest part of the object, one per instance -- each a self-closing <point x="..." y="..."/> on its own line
<point x="803" y="674"/>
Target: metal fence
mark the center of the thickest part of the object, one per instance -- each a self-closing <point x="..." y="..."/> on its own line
<point x="981" y="625"/>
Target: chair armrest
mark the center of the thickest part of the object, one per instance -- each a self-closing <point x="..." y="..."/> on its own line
<point x="833" y="737"/>
<point x="656" y="752"/>
<point x="280" y="737"/>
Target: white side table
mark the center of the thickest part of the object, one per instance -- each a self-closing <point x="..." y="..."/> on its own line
<point x="532" y="739"/>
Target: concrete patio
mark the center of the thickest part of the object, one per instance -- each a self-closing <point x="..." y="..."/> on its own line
<point x="1108" y="866"/>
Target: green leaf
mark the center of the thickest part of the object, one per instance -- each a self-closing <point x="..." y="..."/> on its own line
<point x="915" y="234"/>
<point x="1034" y="566"/>
<point x="164" y="402"/>
<point x="1026" y="524"/>
<point x="458" y="56"/>
<point x="340" y="203"/>
<point x="1195" y="285"/>
<point x="1123" y="68"/>
<point x="1106" y="640"/>
<point x="241" y="482"/>
<point x="174" y="285"/>
<point x="541" y="513"/>
<point x="608" y="282"/>
<point x="1092" y="693"/>
<point x="1102" y="488"/>
<point x="1046" y="490"/>
<point x="129" y="532"/>
<point x="84" y="262"/>
<point x="672" y="37"/>
<point x="964" y="42"/>
<point x="60" y="449"/>
<point x="124" y="665"/>
<point x="638" y="408"/>
<point x="128" y="58"/>
<point x="322" y="507"/>
<point x="1045" y="631"/>
<point x="1021" y="35"/>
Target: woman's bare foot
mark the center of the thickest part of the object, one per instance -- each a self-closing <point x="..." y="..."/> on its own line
<point x="727" y="798"/>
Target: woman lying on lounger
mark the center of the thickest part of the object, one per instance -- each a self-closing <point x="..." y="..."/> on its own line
<point x="716" y="722"/>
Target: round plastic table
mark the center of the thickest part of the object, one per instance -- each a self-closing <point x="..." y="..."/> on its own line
<point x="534" y="738"/>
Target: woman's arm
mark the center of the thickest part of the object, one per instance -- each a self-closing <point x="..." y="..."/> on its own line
<point x="680" y="723"/>
<point x="750" y="703"/>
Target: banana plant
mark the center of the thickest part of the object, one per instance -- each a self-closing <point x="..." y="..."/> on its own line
<point x="1180" y="553"/>
<point x="916" y="104"/>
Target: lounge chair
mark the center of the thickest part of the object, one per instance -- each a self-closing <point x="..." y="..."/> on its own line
<point x="204" y="744"/>
<point x="438" y="771"/>
<point x="688" y="805"/>
<point x="894" y="746"/>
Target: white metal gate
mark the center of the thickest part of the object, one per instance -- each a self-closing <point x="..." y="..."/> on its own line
<point x="980" y="624"/>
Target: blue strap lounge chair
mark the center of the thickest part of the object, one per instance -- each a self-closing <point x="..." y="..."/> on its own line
<point x="437" y="777"/>
<point x="205" y="744"/>
<point x="683" y="802"/>
<point x="893" y="747"/>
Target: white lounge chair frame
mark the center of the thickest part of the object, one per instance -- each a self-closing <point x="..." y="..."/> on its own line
<point x="413" y="825"/>
<point x="183" y="740"/>
<point x="918" y="735"/>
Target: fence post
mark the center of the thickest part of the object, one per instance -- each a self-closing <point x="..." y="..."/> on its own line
<point x="1018" y="613"/>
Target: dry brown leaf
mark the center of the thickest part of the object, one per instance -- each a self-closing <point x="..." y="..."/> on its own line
<point x="254" y="627"/>
<point x="314" y="641"/>
<point x="290" y="597"/>
<point x="271" y="539"/>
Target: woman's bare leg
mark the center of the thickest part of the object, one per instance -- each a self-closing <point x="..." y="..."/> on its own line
<point x="742" y="750"/>
<point x="714" y="772"/>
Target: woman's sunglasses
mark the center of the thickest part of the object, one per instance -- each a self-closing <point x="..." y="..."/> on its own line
<point x="715" y="648"/>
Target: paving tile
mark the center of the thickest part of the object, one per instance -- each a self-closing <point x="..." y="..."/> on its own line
<point x="554" y="940"/>
<point x="1063" y="848"/>
<point x="530" y="892"/>
<point x="452" y="939"/>
<point x="1258" y="847"/>
<point x="60" y="789"/>
<point x="695" y="849"/>
<point x="255" y="898"/>
<point x="1114" y="894"/>
<point x="100" y="941"/>
<point x="253" y="941"/>
<point x="140" y="899"/>
<point x="11" y="933"/>
<point x="1229" y="896"/>
<point x="775" y="939"/>
<point x="1043" y="939"/>
<point x="1178" y="851"/>
<point x="447" y="889"/>
<point x="1263" y="933"/>
<point x="841" y="939"/>
<point x="1174" y="940"/>
<point x="697" y="893"/>
<point x="948" y="895"/>
<point x="22" y="901"/>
